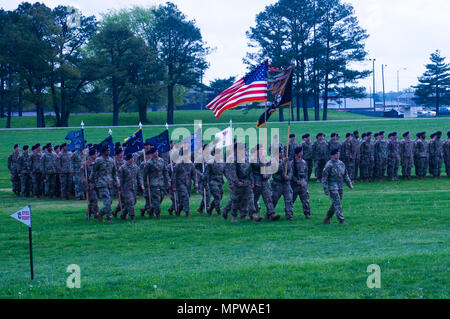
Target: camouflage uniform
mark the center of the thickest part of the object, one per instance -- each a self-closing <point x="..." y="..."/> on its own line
<point x="300" y="185"/>
<point x="203" y="186"/>
<point x="130" y="179"/>
<point x="333" y="145"/>
<point x="65" y="172"/>
<point x="90" y="187"/>
<point x="367" y="159"/>
<point x="214" y="175"/>
<point x="421" y="155"/>
<point x="13" y="165"/>
<point x="241" y="195"/>
<point x="24" y="169"/>
<point x="308" y="157"/>
<point x="348" y="157"/>
<point x="104" y="175"/>
<point x="407" y="157"/>
<point x="169" y="191"/>
<point x="156" y="173"/>
<point x="280" y="186"/>
<point x="182" y="177"/>
<point x="436" y="155"/>
<point x="334" y="176"/>
<point x="36" y="175"/>
<point x="381" y="157"/>
<point x="262" y="187"/>
<point x="119" y="162"/>
<point x="49" y="168"/>
<point x="393" y="159"/>
<point x="321" y="155"/>
<point x="292" y="147"/>
<point x="446" y="154"/>
<point x="77" y="168"/>
<point x="356" y="157"/>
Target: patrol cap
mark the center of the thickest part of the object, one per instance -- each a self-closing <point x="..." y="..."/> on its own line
<point x="377" y="134"/>
<point x="334" y="152"/>
<point x="306" y="136"/>
<point x="37" y="145"/>
<point x="433" y="135"/>
<point x="333" y="134"/>
<point x="292" y="136"/>
<point x="147" y="144"/>
<point x="405" y="134"/>
<point x="92" y="152"/>
<point x="48" y="145"/>
<point x="348" y="134"/>
<point x="381" y="133"/>
<point x="57" y="147"/>
<point x="364" y="135"/>
<point x="320" y="134"/>
<point x="25" y="147"/>
<point x="355" y="133"/>
<point x="33" y="147"/>
<point x="390" y="135"/>
<point x="105" y="148"/>
<point x="369" y="134"/>
<point x="298" y="150"/>
<point x="438" y="133"/>
<point x="16" y="146"/>
<point x="128" y="157"/>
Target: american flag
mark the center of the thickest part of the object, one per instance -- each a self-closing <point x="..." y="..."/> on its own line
<point x="251" y="88"/>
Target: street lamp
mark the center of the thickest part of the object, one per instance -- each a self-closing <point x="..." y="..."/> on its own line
<point x="373" y="73"/>
<point x="398" y="85"/>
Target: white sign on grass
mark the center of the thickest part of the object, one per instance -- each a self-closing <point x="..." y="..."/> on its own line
<point x="23" y="216"/>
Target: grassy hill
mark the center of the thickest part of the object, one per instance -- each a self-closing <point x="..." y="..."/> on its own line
<point x="401" y="226"/>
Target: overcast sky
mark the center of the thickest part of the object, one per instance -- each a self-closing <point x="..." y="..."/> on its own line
<point x="403" y="33"/>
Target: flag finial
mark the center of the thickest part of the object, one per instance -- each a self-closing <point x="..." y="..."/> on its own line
<point x="140" y="125"/>
<point x="82" y="124"/>
<point x="167" y="126"/>
<point x="110" y="132"/>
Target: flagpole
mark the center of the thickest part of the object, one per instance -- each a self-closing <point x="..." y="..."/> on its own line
<point x="88" y="216"/>
<point x="31" y="248"/>
<point x="148" y="181"/>
<point x="115" y="166"/>
<point x="171" y="169"/>
<point x="203" y="169"/>
<point x="288" y="134"/>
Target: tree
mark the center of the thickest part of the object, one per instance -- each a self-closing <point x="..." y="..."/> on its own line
<point x="70" y="67"/>
<point x="433" y="89"/>
<point x="117" y="52"/>
<point x="217" y="86"/>
<point x="180" y="48"/>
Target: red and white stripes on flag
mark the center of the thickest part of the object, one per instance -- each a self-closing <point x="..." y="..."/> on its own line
<point x="251" y="88"/>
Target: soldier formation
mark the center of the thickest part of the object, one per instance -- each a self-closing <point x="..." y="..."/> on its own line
<point x="88" y="175"/>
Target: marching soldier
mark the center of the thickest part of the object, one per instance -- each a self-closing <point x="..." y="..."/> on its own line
<point x="65" y="172"/>
<point x="261" y="183"/>
<point x="147" y="207"/>
<point x="119" y="161"/>
<point x="49" y="169"/>
<point x="36" y="176"/>
<point x="89" y="183"/>
<point x="130" y="179"/>
<point x="281" y="185"/>
<point x="348" y="154"/>
<point x="13" y="165"/>
<point x="367" y="157"/>
<point x="334" y="176"/>
<point x="436" y="155"/>
<point x="421" y="155"/>
<point x="320" y="151"/>
<point x="183" y="175"/>
<point x="446" y="153"/>
<point x="214" y="175"/>
<point x="241" y="181"/>
<point x="300" y="182"/>
<point x="381" y="156"/>
<point x="407" y="155"/>
<point x="156" y="172"/>
<point x="393" y="157"/>
<point x="203" y="183"/>
<point x="57" y="190"/>
<point x="24" y="170"/>
<point x="105" y="176"/>
<point x="308" y="155"/>
<point x="77" y="169"/>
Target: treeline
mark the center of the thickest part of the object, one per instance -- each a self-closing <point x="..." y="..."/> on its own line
<point x="67" y="60"/>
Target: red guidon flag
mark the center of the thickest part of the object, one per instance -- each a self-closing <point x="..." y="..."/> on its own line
<point x="250" y="89"/>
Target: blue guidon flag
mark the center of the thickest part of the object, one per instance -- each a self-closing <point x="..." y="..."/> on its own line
<point x="134" y="143"/>
<point x="161" y="142"/>
<point x="251" y="88"/>
<point x="77" y="139"/>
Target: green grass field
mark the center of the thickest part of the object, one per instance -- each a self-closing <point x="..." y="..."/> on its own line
<point x="401" y="226"/>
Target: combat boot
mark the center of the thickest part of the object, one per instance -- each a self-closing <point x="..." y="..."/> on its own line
<point x="290" y="218"/>
<point x="188" y="215"/>
<point x="327" y="221"/>
<point x="275" y="217"/>
<point x="225" y="215"/>
<point x="142" y="212"/>
<point x="200" y="210"/>
<point x="109" y="220"/>
<point x="150" y="213"/>
<point x="342" y="222"/>
<point x="158" y="216"/>
<point x="256" y="218"/>
<point x="178" y="213"/>
<point x="308" y="216"/>
<point x="132" y="218"/>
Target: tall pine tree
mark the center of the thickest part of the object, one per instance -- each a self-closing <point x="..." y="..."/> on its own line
<point x="433" y="89"/>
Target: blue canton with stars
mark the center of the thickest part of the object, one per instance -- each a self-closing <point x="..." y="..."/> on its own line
<point x="257" y="75"/>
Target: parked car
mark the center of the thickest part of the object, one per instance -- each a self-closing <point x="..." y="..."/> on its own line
<point x="394" y="114"/>
<point x="426" y="113"/>
<point x="444" y="111"/>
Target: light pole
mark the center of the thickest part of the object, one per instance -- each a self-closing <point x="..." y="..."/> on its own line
<point x="373" y="73"/>
<point x="384" y="92"/>
<point x="398" y="86"/>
